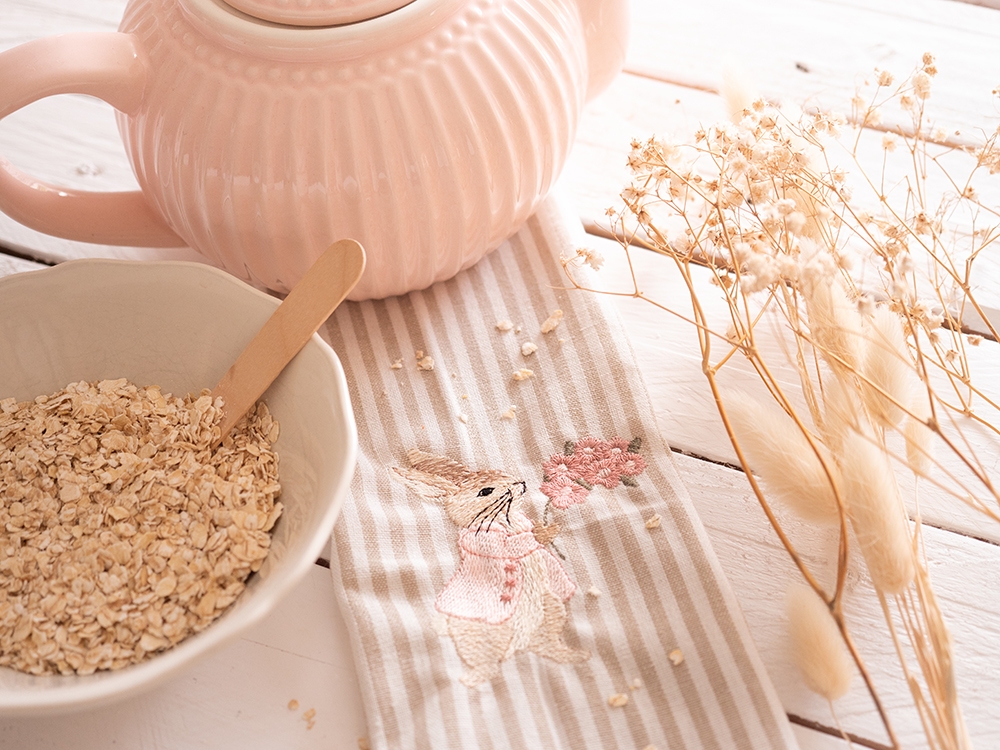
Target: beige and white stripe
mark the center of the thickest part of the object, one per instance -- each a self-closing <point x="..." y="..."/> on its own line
<point x="393" y="553"/>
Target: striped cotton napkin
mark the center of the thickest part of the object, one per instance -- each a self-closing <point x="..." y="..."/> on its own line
<point x="518" y="564"/>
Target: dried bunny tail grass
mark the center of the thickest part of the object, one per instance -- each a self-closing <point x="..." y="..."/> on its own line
<point x="887" y="369"/>
<point x="841" y="407"/>
<point x="919" y="438"/>
<point x="780" y="454"/>
<point x="941" y="654"/>
<point x="834" y="323"/>
<point x="876" y="512"/>
<point x="817" y="646"/>
<point x="737" y="93"/>
<point x="817" y="217"/>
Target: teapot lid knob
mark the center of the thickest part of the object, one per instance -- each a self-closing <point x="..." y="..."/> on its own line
<point x="316" y="12"/>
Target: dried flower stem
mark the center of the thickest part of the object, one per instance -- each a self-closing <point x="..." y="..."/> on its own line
<point x="764" y="208"/>
<point x="835" y="601"/>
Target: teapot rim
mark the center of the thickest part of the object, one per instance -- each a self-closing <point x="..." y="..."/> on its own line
<point x="383" y="31"/>
<point x="312" y="13"/>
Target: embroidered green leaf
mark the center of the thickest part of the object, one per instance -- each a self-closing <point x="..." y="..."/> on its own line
<point x="629" y="481"/>
<point x="584" y="483"/>
<point x="635" y="445"/>
<point x="568" y="447"/>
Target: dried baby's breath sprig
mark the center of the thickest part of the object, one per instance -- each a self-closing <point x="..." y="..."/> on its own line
<point x="589" y="256"/>
<point x="863" y="284"/>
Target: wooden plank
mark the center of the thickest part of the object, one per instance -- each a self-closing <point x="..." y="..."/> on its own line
<point x="10" y="264"/>
<point x="817" y="50"/>
<point x="995" y="4"/>
<point x="238" y="697"/>
<point x="632" y="108"/>
<point x="24" y="20"/>
<point x="810" y="739"/>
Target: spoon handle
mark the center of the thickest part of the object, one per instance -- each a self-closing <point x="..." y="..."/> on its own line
<point x="324" y="286"/>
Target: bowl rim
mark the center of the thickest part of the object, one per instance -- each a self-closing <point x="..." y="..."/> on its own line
<point x="120" y="684"/>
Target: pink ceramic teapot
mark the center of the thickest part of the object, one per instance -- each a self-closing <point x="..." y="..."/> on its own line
<point x="260" y="131"/>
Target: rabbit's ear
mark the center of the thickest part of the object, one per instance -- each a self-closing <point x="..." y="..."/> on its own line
<point x="440" y="466"/>
<point x="428" y="486"/>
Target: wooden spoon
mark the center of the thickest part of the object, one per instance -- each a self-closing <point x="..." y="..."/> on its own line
<point x="297" y="318"/>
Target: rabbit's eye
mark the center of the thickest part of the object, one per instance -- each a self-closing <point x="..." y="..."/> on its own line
<point x="485" y="491"/>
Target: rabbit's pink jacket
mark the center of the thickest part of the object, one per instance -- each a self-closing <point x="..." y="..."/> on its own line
<point x="490" y="579"/>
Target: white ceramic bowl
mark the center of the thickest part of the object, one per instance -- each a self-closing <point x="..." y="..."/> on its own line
<point x="177" y="325"/>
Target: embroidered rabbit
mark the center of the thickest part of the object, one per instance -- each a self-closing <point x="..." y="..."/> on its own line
<point x="508" y="593"/>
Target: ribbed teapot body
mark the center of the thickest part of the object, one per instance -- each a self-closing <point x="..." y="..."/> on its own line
<point x="429" y="134"/>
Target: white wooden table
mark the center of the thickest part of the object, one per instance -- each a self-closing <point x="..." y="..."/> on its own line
<point x="800" y="49"/>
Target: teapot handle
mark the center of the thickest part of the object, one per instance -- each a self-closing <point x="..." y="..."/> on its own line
<point x="606" y="30"/>
<point x="112" y="67"/>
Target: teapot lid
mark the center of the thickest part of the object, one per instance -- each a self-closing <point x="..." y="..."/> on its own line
<point x="316" y="12"/>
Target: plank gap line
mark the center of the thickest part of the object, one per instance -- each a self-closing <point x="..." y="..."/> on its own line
<point x="834" y="732"/>
<point x="24" y="254"/>
<point x="597" y="229"/>
<point x="993" y="4"/>
<point x="923" y="522"/>
<point x="955" y="140"/>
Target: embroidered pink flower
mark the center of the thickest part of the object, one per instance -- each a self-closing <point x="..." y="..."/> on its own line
<point x="562" y="465"/>
<point x="564" y="491"/>
<point x="617" y="447"/>
<point x="612" y="448"/>
<point x="625" y="462"/>
<point x="604" y="473"/>
<point x="590" y="461"/>
<point x="605" y="462"/>
<point x="591" y="449"/>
